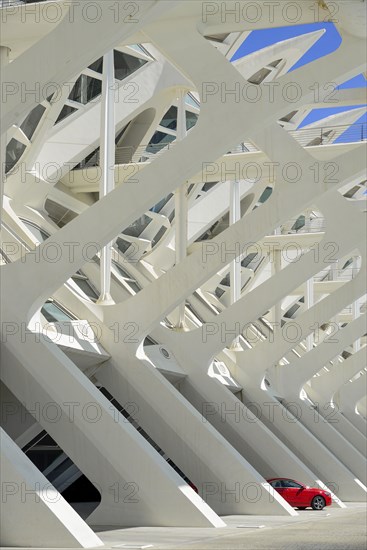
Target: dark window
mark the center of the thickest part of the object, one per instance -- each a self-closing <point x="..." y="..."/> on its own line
<point x="159" y="235"/>
<point x="158" y="141"/>
<point x="85" y="89"/>
<point x="170" y="118"/>
<point x="137" y="228"/>
<point x="161" y="204"/>
<point x="248" y="259"/>
<point x="58" y="213"/>
<point x="149" y="341"/>
<point x="14" y="151"/>
<point x="219" y="292"/>
<point x="349" y="194"/>
<point x="97" y="66"/>
<point x="55" y="313"/>
<point x="85" y="286"/>
<point x="259" y="76"/>
<point x="122" y="245"/>
<point x="291" y="311"/>
<point x="289" y="116"/>
<point x="65" y="112"/>
<point x="31" y="121"/>
<point x="39" y="233"/>
<point x="266" y="194"/>
<point x="127" y="278"/>
<point x="227" y="280"/>
<point x="126" y="64"/>
<point x="191" y="119"/>
<point x="299" y="223"/>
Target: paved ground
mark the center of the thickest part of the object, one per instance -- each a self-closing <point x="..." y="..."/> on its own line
<point x="332" y="529"/>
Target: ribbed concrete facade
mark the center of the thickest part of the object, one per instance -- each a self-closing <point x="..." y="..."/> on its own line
<point x="183" y="250"/>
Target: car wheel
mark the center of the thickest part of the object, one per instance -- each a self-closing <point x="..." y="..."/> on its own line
<point x="318" y="502"/>
<point x="301" y="507"/>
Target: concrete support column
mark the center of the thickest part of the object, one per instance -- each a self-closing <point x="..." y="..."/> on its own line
<point x="107" y="162"/>
<point x="181" y="204"/>
<point x="4" y="60"/>
<point x="356" y="304"/>
<point x="235" y="269"/>
<point x="309" y="302"/>
<point x="276" y="267"/>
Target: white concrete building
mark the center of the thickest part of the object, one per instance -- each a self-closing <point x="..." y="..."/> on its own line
<point x="183" y="250"/>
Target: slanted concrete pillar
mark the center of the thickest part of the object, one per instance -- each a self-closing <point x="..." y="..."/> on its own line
<point x="309" y="302"/>
<point x="181" y="204"/>
<point x="4" y="60"/>
<point x="107" y="152"/>
<point x="356" y="304"/>
<point x="235" y="270"/>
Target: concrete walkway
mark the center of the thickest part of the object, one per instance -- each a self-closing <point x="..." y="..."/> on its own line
<point x="332" y="529"/>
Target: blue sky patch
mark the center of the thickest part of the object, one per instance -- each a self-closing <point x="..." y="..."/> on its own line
<point x="262" y="38"/>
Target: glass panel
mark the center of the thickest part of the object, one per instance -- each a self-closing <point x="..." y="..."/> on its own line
<point x="191" y="119"/>
<point x="3" y="258"/>
<point x="54" y="314"/>
<point x="137" y="228"/>
<point x="274" y="63"/>
<point x="227" y="280"/>
<point x="149" y="341"/>
<point x="289" y="116"/>
<point x="126" y="64"/>
<point x="133" y="284"/>
<point x="31" y="121"/>
<point x="159" y="235"/>
<point x="85" y="89"/>
<point x="158" y="141"/>
<point x="209" y="185"/>
<point x="122" y="245"/>
<point x="259" y="76"/>
<point x="291" y="311"/>
<point x="97" y="65"/>
<point x="90" y="160"/>
<point x="39" y="233"/>
<point x="140" y="49"/>
<point x="349" y="194"/>
<point x="170" y="118"/>
<point x="158" y="207"/>
<point x="86" y="287"/>
<point x="266" y="194"/>
<point x="250" y="258"/>
<point x="299" y="223"/>
<point x="58" y="213"/>
<point x="14" y="151"/>
<point x="219" y="292"/>
<point x="190" y="100"/>
<point x="65" y="112"/>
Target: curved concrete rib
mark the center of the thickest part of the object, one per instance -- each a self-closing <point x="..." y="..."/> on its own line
<point x="323" y="387"/>
<point x="168" y="171"/>
<point x="295" y="375"/>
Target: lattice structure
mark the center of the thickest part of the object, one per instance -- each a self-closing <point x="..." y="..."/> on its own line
<point x="171" y="344"/>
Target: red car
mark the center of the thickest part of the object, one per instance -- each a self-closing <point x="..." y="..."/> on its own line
<point x="299" y="495"/>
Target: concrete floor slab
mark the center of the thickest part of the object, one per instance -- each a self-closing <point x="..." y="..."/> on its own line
<point x="332" y="529"/>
